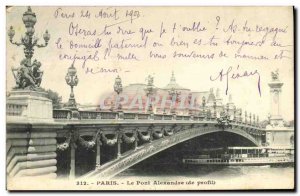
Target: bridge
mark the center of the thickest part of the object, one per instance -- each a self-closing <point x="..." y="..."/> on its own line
<point x="74" y="143"/>
<point x="42" y="148"/>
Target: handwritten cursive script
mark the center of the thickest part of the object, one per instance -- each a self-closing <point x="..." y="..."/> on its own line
<point x="235" y="74"/>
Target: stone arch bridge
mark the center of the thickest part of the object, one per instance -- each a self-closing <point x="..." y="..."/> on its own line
<point x="112" y="141"/>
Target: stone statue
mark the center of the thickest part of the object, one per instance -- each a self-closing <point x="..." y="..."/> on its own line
<point x="275" y="75"/>
<point x="28" y="76"/>
<point x="37" y="73"/>
<point x="150" y="80"/>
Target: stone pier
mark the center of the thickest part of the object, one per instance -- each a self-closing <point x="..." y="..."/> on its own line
<point x="32" y="153"/>
<point x="31" y="135"/>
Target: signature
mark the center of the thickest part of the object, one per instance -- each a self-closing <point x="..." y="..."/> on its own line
<point x="230" y="73"/>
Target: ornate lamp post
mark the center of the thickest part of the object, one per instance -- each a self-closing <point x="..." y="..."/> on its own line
<point x="227" y="109"/>
<point x="72" y="80"/>
<point x="208" y="114"/>
<point x="149" y="92"/>
<point x="234" y="113"/>
<point x="175" y="97"/>
<point x="118" y="88"/>
<point x="240" y="116"/>
<point x="28" y="75"/>
<point x="203" y="106"/>
<point x="190" y="111"/>
<point x="215" y="109"/>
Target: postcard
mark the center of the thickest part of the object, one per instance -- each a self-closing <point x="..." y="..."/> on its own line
<point x="150" y="98"/>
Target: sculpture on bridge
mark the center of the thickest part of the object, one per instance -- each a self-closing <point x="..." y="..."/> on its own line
<point x="28" y="74"/>
<point x="129" y="137"/>
<point x="158" y="134"/>
<point x="118" y="88"/>
<point x="65" y="145"/>
<point x="275" y="75"/>
<point x="89" y="144"/>
<point x="224" y="120"/>
<point x="110" y="139"/>
<point x="37" y="73"/>
<point x="144" y="135"/>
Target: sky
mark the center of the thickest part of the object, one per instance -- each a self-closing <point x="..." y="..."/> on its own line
<point x="192" y="73"/>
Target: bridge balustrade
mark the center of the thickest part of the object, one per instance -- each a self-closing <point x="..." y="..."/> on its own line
<point x="143" y="116"/>
<point x="108" y="115"/>
<point x="179" y="117"/>
<point x="168" y="117"/>
<point x="60" y="114"/>
<point x="15" y="109"/>
<point x="158" y="117"/>
<point x="115" y="140"/>
<point x="195" y="118"/>
<point x="129" y="116"/>
<point x="90" y="115"/>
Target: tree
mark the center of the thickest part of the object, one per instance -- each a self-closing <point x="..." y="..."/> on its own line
<point x="54" y="96"/>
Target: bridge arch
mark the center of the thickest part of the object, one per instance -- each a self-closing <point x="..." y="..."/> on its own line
<point x="131" y="158"/>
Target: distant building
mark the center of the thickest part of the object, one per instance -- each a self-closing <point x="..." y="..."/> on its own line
<point x="185" y="101"/>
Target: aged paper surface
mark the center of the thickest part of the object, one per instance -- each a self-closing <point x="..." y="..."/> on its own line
<point x="150" y="98"/>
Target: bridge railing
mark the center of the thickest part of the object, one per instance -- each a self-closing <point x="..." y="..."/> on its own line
<point x="61" y="114"/>
<point x="15" y="108"/>
<point x="65" y="114"/>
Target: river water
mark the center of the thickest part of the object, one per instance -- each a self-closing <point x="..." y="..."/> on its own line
<point x="167" y="166"/>
<point x="225" y="177"/>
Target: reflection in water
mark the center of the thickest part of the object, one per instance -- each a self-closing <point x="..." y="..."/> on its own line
<point x="173" y="172"/>
<point x="167" y="165"/>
